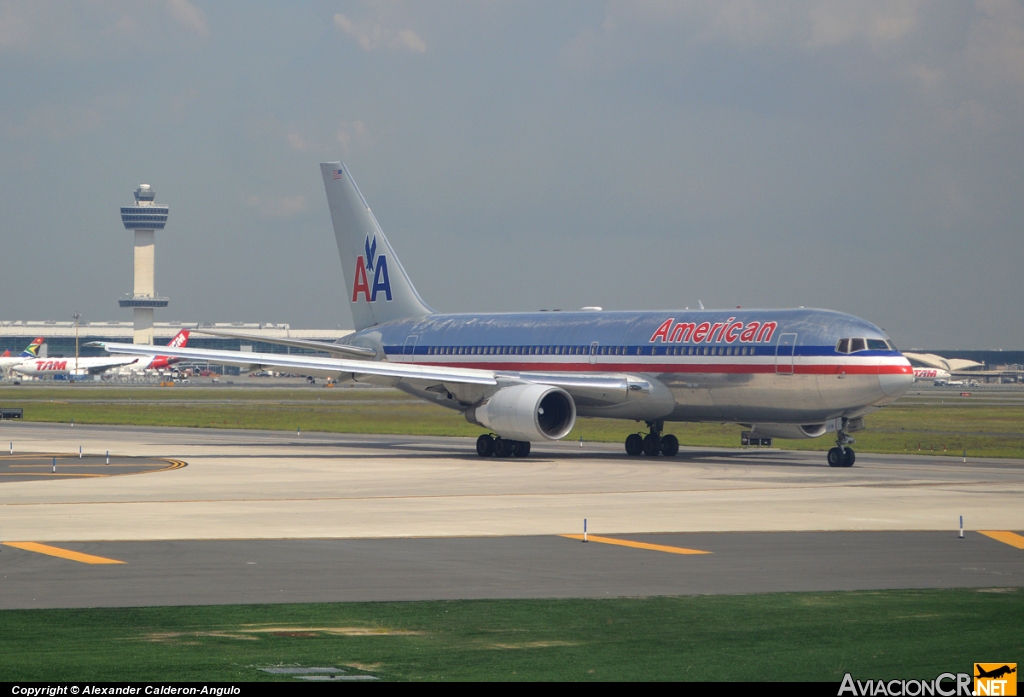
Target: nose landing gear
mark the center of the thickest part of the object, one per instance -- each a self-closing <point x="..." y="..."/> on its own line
<point x="653" y="444"/>
<point x="842" y="455"/>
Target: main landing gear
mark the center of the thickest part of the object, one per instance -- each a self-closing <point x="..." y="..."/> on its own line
<point x="842" y="455"/>
<point x="487" y="445"/>
<point x="653" y="443"/>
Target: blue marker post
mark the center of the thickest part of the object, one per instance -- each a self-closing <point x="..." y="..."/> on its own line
<point x="584" y="529"/>
<point x="108" y="457"/>
<point x="961" y="527"/>
<point x="79" y="452"/>
<point x="54" y="470"/>
<point x="12" y="447"/>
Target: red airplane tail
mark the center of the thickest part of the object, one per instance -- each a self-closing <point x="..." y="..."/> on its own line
<point x="180" y="340"/>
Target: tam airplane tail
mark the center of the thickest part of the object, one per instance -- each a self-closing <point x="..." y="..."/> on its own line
<point x="378" y="288"/>
<point x="180" y="340"/>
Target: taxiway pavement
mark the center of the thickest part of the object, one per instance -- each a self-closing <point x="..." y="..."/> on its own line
<point x="212" y="572"/>
<point x="271" y="485"/>
<point x="257" y="517"/>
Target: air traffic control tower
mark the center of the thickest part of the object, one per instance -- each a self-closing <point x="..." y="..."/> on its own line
<point x="145" y="218"/>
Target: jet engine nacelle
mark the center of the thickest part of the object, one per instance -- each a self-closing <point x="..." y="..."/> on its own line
<point x="527" y="412"/>
<point x="791" y="431"/>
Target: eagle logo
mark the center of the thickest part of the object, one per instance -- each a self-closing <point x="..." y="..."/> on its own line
<point x="371" y="251"/>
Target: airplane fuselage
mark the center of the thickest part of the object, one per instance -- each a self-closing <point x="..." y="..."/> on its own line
<point x="747" y="366"/>
<point x="932" y="374"/>
<point x="50" y="367"/>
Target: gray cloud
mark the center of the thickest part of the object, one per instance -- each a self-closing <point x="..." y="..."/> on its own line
<point x="373" y="34"/>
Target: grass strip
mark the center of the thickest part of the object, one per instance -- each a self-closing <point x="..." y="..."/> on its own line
<point x="787" y="636"/>
<point x="912" y="427"/>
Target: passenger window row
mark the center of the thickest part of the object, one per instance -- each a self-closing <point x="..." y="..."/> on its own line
<point x="588" y="350"/>
<point x="521" y="350"/>
<point x="709" y="350"/>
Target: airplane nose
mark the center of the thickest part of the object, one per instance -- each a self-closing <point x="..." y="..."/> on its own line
<point x="896" y="379"/>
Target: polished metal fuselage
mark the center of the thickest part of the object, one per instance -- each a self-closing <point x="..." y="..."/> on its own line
<point x="745" y="366"/>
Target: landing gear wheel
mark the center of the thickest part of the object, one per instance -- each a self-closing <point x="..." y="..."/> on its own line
<point x="503" y="448"/>
<point x="485" y="446"/>
<point x="634" y="444"/>
<point x="669" y="445"/>
<point x="652" y="445"/>
<point x="849" y="458"/>
<point x="835" y="457"/>
<point x="522" y="448"/>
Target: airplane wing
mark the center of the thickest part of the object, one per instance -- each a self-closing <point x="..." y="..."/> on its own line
<point x="311" y="364"/>
<point x="336" y="349"/>
<point x="469" y="385"/>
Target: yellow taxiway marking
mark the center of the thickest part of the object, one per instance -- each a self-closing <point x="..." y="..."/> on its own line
<point x="1006" y="537"/>
<point x="171" y="465"/>
<point x="62" y="553"/>
<point x="637" y="545"/>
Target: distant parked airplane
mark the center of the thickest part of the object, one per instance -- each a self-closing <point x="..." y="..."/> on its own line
<point x="936" y="374"/>
<point x="81" y="367"/>
<point x="7" y="361"/>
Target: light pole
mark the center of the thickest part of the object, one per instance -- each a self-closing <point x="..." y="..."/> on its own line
<point x="76" y="317"/>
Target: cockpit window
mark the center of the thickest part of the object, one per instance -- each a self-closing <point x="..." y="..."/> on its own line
<point x="854" y="345"/>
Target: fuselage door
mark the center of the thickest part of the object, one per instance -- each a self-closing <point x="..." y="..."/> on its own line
<point x="784" y="351"/>
<point x="593" y="351"/>
<point x="409" y="353"/>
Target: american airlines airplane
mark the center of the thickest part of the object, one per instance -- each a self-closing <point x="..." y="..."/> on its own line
<point x="50" y="367"/>
<point x="525" y="377"/>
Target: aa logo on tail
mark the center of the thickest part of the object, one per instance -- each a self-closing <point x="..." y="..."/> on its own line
<point x="376" y="265"/>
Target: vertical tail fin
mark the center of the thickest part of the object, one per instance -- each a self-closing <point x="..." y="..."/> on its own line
<point x="378" y="288"/>
<point x="180" y="339"/>
<point x="32" y="350"/>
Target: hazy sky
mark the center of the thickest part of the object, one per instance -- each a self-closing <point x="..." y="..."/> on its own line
<point x="861" y="156"/>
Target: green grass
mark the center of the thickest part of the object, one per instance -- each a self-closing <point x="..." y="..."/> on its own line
<point x="794" y="636"/>
<point x="908" y="426"/>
